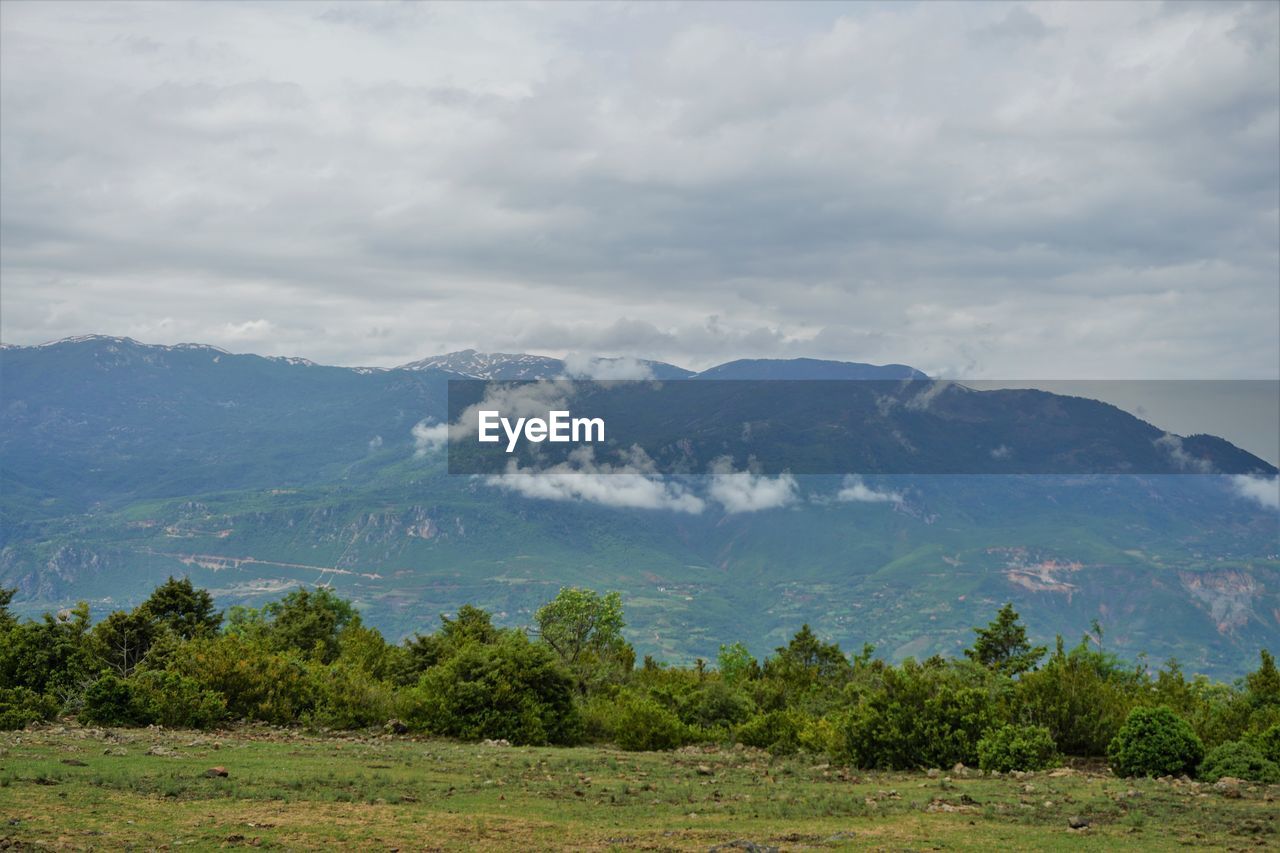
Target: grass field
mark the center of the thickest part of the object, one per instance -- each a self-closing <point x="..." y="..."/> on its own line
<point x="74" y="788"/>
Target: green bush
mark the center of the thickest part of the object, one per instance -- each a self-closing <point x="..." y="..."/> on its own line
<point x="923" y="715"/>
<point x="643" y="724"/>
<point x="1267" y="743"/>
<point x="777" y="731"/>
<point x="1014" y="747"/>
<point x="1154" y="742"/>
<point x="176" y="701"/>
<point x="1239" y="759"/>
<point x="348" y="697"/>
<point x="111" y="701"/>
<point x="20" y="706"/>
<point x="714" y="705"/>
<point x="257" y="684"/>
<point x="1081" y="696"/>
<point x="511" y="689"/>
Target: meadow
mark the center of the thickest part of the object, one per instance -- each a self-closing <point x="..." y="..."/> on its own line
<point x="70" y="787"/>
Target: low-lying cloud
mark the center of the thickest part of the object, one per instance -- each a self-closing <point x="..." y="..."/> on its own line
<point x="429" y="437"/>
<point x="631" y="484"/>
<point x="854" y="490"/>
<point x="745" y="491"/>
<point x="1172" y="445"/>
<point x="1262" y="490"/>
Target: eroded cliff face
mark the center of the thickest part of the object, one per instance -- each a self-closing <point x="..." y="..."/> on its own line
<point x="48" y="578"/>
<point x="1231" y="597"/>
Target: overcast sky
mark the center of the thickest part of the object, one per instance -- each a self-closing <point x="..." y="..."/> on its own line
<point x="1027" y="190"/>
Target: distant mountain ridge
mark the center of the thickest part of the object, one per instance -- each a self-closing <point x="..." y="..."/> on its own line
<point x="473" y="364"/>
<point x="808" y="368"/>
<point x="122" y="463"/>
<point x="518" y="366"/>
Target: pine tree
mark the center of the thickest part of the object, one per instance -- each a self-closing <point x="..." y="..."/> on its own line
<point x="1002" y="646"/>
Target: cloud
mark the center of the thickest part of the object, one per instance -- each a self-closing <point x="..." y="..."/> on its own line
<point x="744" y="491"/>
<point x="1172" y="445"/>
<point x="428" y="437"/>
<point x="1050" y="191"/>
<point x="1263" y="490"/>
<point x="250" y="330"/>
<point x="856" y="491"/>
<point x="580" y="366"/>
<point x="520" y="400"/>
<point x="631" y="484"/>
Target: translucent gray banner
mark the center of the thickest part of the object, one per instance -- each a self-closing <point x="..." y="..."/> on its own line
<point x="888" y="427"/>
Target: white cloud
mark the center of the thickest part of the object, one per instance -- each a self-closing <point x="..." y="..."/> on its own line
<point x="520" y="400"/>
<point x="631" y="484"/>
<point x="250" y="330"/>
<point x="1172" y="445"/>
<point x="853" y="489"/>
<point x="1264" y="490"/>
<point x="581" y="366"/>
<point x="428" y="437"/>
<point x="745" y="491"/>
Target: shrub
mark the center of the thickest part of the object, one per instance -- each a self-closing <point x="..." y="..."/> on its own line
<point x="1241" y="760"/>
<point x="823" y="735"/>
<point x="643" y="724"/>
<point x="111" y="701"/>
<point x="349" y="698"/>
<point x="1267" y="743"/>
<point x="777" y="731"/>
<point x="1014" y="747"/>
<point x="922" y="715"/>
<point x="1081" y="696"/>
<point x="257" y="684"/>
<point x="20" y="706"/>
<point x="1154" y="742"/>
<point x="176" y="701"/>
<point x="510" y="689"/>
<point x="714" y="704"/>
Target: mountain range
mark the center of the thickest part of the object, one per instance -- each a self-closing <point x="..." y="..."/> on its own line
<point x="121" y="463"/>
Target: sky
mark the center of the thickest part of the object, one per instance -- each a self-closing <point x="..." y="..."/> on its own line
<point x="1075" y="190"/>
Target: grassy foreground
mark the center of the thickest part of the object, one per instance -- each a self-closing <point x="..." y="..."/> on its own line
<point x="68" y="787"/>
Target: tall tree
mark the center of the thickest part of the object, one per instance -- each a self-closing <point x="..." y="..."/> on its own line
<point x="584" y="629"/>
<point x="7" y="619"/>
<point x="1003" y="647"/>
<point x="1263" y="684"/>
<point x="187" y="611"/>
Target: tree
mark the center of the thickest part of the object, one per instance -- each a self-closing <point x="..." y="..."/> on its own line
<point x="1002" y="646"/>
<point x="423" y="651"/>
<point x="7" y="619"/>
<point x="806" y="660"/>
<point x="303" y="621"/>
<point x="183" y="608"/>
<point x="736" y="663"/>
<point x="1263" y="684"/>
<point x="471" y="624"/>
<point x="50" y="656"/>
<point x="123" y="639"/>
<point x="1082" y="696"/>
<point x="511" y="689"/>
<point x="1154" y="742"/>
<point x="584" y="629"/>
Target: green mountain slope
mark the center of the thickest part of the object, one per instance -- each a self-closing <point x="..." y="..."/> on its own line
<point x="121" y="464"/>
